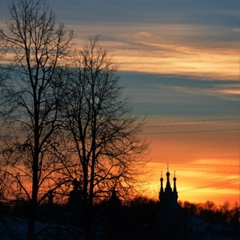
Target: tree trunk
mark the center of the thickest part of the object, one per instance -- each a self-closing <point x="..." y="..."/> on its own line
<point x="33" y="207"/>
<point x="31" y="221"/>
<point x="88" y="222"/>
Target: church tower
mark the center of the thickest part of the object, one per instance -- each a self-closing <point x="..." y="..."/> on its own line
<point x="168" y="196"/>
<point x="170" y="215"/>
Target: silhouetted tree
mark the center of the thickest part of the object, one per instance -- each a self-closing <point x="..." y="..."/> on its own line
<point x="210" y="212"/>
<point x="30" y="95"/>
<point x="103" y="134"/>
<point x="234" y="218"/>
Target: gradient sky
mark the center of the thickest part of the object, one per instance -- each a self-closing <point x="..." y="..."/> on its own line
<point x="179" y="60"/>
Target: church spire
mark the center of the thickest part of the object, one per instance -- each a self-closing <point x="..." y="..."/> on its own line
<point x="168" y="185"/>
<point x="161" y="180"/>
<point x="174" y="183"/>
<point x="161" y="192"/>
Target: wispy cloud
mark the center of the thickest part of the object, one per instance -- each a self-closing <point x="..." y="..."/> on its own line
<point x="170" y="49"/>
<point x="174" y="37"/>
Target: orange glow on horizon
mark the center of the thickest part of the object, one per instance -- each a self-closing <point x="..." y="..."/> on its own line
<point x="206" y="164"/>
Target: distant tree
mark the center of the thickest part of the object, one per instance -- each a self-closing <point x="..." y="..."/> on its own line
<point x="190" y="208"/>
<point x="31" y="88"/>
<point x="234" y="218"/>
<point x="103" y="135"/>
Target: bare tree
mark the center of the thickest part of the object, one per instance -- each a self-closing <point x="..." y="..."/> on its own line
<point x="37" y="47"/>
<point x="103" y="134"/>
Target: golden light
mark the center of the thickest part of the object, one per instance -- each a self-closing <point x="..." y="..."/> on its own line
<point x="206" y="163"/>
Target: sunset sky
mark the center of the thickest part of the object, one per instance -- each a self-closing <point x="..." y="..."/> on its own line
<point x="179" y="60"/>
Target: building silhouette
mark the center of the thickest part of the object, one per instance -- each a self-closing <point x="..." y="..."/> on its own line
<point x="170" y="215"/>
<point x="76" y="195"/>
<point x="168" y="197"/>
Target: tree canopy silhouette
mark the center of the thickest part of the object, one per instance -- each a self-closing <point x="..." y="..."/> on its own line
<point x="102" y="133"/>
<point x="36" y="46"/>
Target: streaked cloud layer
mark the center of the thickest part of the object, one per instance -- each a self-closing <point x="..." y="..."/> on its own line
<point x="176" y="36"/>
<point x="183" y="37"/>
<point x="192" y="37"/>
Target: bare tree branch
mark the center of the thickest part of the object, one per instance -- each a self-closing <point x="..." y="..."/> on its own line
<point x="101" y="127"/>
<point x="30" y="95"/>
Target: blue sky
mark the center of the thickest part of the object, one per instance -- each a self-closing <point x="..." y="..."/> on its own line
<point x="179" y="60"/>
<point x="181" y="96"/>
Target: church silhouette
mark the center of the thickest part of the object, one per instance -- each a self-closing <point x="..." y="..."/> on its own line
<point x="170" y="215"/>
<point x="168" y="196"/>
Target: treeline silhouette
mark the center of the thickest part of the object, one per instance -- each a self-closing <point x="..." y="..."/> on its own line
<point x="212" y="213"/>
<point x="133" y="219"/>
